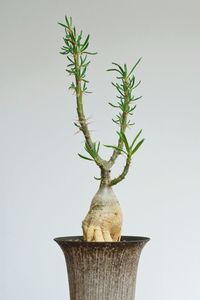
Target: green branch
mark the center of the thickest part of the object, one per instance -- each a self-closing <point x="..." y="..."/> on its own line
<point x="76" y="51"/>
<point x="123" y="174"/>
<point x="130" y="150"/>
<point x="126" y="104"/>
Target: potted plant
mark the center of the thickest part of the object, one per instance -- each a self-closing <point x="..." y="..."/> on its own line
<point x="102" y="264"/>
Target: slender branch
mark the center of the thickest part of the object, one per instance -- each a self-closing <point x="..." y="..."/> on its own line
<point x="131" y="149"/>
<point x="125" y="104"/>
<point x="123" y="123"/>
<point x="80" y="111"/>
<point x="79" y="102"/>
<point x="77" y="68"/>
<point x="123" y="174"/>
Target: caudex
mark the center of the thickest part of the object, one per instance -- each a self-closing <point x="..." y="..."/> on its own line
<point x="103" y="222"/>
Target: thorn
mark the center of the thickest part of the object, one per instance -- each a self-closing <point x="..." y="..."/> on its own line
<point x="77" y="132"/>
<point x="88" y="123"/>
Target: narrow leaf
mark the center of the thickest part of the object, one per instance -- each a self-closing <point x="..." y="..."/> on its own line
<point x="135" y="99"/>
<point x="121" y="69"/>
<point x="90" y="53"/>
<point x="132" y="109"/>
<point x="135" y="139"/>
<point x="86" y="40"/>
<point x="98" y="146"/>
<point x="97" y="178"/>
<point x="84" y="47"/>
<point x="137" y="147"/>
<point x="79" y="38"/>
<point x="84" y="157"/>
<point x="116" y="106"/>
<point x="124" y="139"/>
<point x="125" y="68"/>
<point x="133" y="68"/>
<point x="69" y="22"/>
<point x="70" y="59"/>
<point x="116" y="148"/>
<point x="77" y="125"/>
<point x="63" y="25"/>
<point x="114" y="70"/>
<point x="137" y="84"/>
<point x="115" y="121"/>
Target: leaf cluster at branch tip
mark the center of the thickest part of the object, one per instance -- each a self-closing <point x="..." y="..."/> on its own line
<point x="75" y="48"/>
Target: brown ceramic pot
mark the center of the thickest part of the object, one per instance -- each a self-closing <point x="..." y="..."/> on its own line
<point x="102" y="270"/>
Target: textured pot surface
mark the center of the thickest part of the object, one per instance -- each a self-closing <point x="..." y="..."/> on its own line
<point x="102" y="270"/>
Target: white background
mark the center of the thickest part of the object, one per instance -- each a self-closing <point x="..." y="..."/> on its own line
<point x="46" y="189"/>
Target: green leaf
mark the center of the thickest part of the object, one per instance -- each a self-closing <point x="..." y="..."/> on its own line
<point x="72" y="86"/>
<point x="116" y="106"/>
<point x="124" y="139"/>
<point x="115" y="148"/>
<point x="77" y="125"/>
<point x="86" y="40"/>
<point x="121" y="69"/>
<point x="98" y="146"/>
<point x="135" y="139"/>
<point x="74" y="31"/>
<point x="68" y="21"/>
<point x="84" y="47"/>
<point x="132" y="109"/>
<point x="88" y="149"/>
<point x="69" y="58"/>
<point x="125" y="68"/>
<point x="137" y="84"/>
<point x="116" y="121"/>
<point x="133" y="68"/>
<point x="92" y="150"/>
<point x="135" y="99"/>
<point x="90" y="53"/>
<point x="97" y="178"/>
<point x="84" y="80"/>
<point x="79" y="38"/>
<point x="63" y="25"/>
<point x="83" y="72"/>
<point x="117" y="86"/>
<point x="84" y="157"/>
<point x="131" y="83"/>
<point x="137" y="147"/>
<point x="130" y="124"/>
<point x="83" y="59"/>
<point x="113" y="70"/>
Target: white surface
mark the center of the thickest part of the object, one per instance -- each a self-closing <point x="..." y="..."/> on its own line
<point x="46" y="189"/>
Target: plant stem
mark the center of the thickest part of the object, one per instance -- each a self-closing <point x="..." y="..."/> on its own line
<point x="79" y="102"/>
<point x="123" y="174"/>
<point x="123" y="124"/>
<point x="105" y="178"/>
<point x="80" y="111"/>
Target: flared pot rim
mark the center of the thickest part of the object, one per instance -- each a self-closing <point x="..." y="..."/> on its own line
<point x="125" y="240"/>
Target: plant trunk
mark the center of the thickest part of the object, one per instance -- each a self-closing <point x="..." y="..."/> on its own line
<point x="103" y="222"/>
